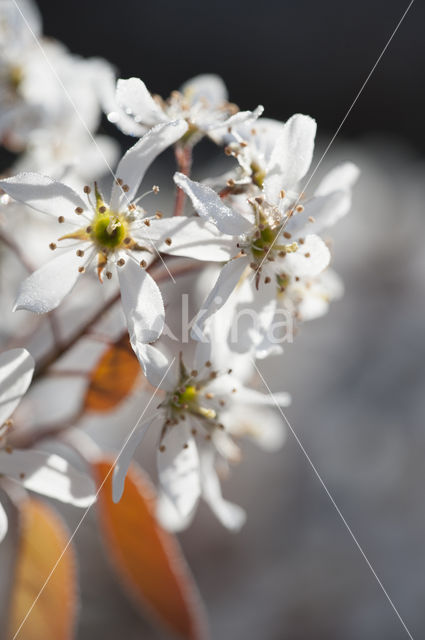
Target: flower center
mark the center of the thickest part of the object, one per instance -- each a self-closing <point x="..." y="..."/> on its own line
<point x="258" y="175"/>
<point x="264" y="238"/>
<point x="109" y="230"/>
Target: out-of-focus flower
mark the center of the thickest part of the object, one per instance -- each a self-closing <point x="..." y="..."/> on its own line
<point x="45" y="473"/>
<point x="201" y="101"/>
<point x="117" y="233"/>
<point x="200" y="412"/>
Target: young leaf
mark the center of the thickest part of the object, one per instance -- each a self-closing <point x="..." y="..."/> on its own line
<point x="43" y="539"/>
<point x="113" y="378"/>
<point x="147" y="559"/>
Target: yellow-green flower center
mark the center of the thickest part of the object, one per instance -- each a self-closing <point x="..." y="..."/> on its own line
<point x="188" y="397"/>
<point x="263" y="241"/>
<point x="109" y="230"/>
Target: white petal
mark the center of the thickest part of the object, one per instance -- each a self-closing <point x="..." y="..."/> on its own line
<point x="3" y="523"/>
<point x="140" y="156"/>
<point x="207" y="87"/>
<point x="320" y="213"/>
<point x="239" y="118"/>
<point x="230" y="515"/>
<point x="291" y="156"/>
<point x="264" y="426"/>
<point x="246" y="396"/>
<point x="49" y="475"/>
<point x="226" y="282"/>
<point x="45" y="289"/>
<point x="209" y="205"/>
<point x="191" y="238"/>
<point x="142" y="303"/>
<point x="178" y="467"/>
<point x="298" y="264"/>
<point x="125" y="458"/>
<point x="133" y="96"/>
<point x="16" y="369"/>
<point x="168" y="515"/>
<point x="341" y="178"/>
<point x="159" y="370"/>
<point x="44" y="194"/>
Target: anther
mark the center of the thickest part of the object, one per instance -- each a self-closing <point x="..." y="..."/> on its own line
<point x="267" y="279"/>
<point x="147" y="222"/>
<point x="61" y="219"/>
<point x="231" y="182"/>
<point x="300" y="208"/>
<point x="125" y="188"/>
<point x="158" y="215"/>
<point x="87" y="189"/>
<point x="81" y="269"/>
<point x="229" y="371"/>
<point x="155" y="189"/>
<point x="127" y="240"/>
<point x="286" y="234"/>
<point x="79" y="210"/>
<point x="121" y="262"/>
<point x="311" y="219"/>
<point x="194" y="373"/>
<point x="185" y="446"/>
<point x="162" y="448"/>
<point x="208" y="363"/>
<point x="52" y="246"/>
<point x="194" y="432"/>
<point x="168" y="241"/>
<point x="80" y="253"/>
<point x="89" y="229"/>
<point x="143" y="263"/>
<point x="281" y="254"/>
<point x="209" y="395"/>
<point x="282" y="193"/>
<point x="307" y="255"/>
<point x="102" y="209"/>
<point x="222" y="403"/>
<point x="301" y="240"/>
<point x="108" y="274"/>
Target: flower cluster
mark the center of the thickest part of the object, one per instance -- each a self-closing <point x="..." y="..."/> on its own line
<point x="251" y="239"/>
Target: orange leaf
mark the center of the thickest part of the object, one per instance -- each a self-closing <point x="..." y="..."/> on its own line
<point x="147" y="558"/>
<point x="113" y="378"/>
<point x="43" y="539"/>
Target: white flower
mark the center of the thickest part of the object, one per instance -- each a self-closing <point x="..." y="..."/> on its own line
<point x="201" y="410"/>
<point x="38" y="471"/>
<point x="201" y="101"/>
<point x="114" y="233"/>
<point x="275" y="236"/>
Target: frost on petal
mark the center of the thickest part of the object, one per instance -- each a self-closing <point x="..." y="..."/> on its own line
<point x="230" y="515"/>
<point x="341" y="178"/>
<point x="291" y="156"/>
<point x="133" y="96"/>
<point x="134" y="164"/>
<point x="310" y="259"/>
<point x="3" y="523"/>
<point x="209" y="205"/>
<point x="45" y="289"/>
<point x="16" y="369"/>
<point x="49" y="475"/>
<point x="178" y="467"/>
<point x="125" y="457"/>
<point x="208" y="88"/>
<point x="190" y="238"/>
<point x="142" y="303"/>
<point x="44" y="194"/>
<point x="226" y="282"/>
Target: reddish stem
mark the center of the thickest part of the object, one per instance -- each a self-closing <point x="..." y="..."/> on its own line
<point x="183" y="154"/>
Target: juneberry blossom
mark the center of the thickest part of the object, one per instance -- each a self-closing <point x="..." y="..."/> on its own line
<point x="201" y="101"/>
<point x="44" y="473"/>
<point x="115" y="234"/>
<point x="202" y="408"/>
<point x="274" y="227"/>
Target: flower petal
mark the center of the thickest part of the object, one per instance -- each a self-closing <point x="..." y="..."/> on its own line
<point x="125" y="457"/>
<point x="168" y="515"/>
<point x="226" y="282"/>
<point x="311" y="258"/>
<point x="133" y="165"/>
<point x="231" y="516"/>
<point x="45" y="289"/>
<point x="209" y="205"/>
<point x="142" y="303"/>
<point x="178" y="467"/>
<point x="3" y="523"/>
<point x="44" y="194"/>
<point x="16" y="369"/>
<point x="341" y="178"/>
<point x="133" y="96"/>
<point x="159" y="370"/>
<point x="206" y="87"/>
<point x="291" y="156"/>
<point x="49" y="475"/>
<point x="190" y="237"/>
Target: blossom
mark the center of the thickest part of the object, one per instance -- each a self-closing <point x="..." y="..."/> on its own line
<point x="201" y="101"/>
<point x="202" y="408"/>
<point x="45" y="473"/>
<point x="115" y="233"/>
<point x="275" y="236"/>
